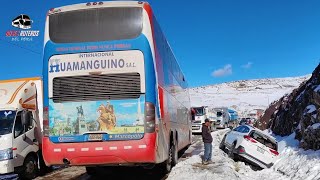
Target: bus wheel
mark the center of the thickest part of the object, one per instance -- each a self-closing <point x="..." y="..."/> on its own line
<point x="30" y="167"/>
<point x="168" y="163"/>
<point x="175" y="154"/>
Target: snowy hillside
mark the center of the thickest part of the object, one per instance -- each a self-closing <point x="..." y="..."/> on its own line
<point x="245" y="95"/>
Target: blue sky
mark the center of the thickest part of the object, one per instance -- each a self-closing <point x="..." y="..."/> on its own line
<point x="214" y="41"/>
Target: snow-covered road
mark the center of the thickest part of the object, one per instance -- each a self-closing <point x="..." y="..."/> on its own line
<point x="294" y="163"/>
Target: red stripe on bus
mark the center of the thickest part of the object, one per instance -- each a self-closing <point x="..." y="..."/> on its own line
<point x="161" y="99"/>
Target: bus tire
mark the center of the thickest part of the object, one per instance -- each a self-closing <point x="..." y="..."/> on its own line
<point x="30" y="167"/>
<point x="168" y="164"/>
<point x="175" y="154"/>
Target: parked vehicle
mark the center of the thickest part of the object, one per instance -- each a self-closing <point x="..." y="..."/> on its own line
<point x="233" y="121"/>
<point x="223" y="117"/>
<point x="243" y="121"/>
<point x="248" y="121"/>
<point x="199" y="114"/>
<point x="251" y="145"/>
<point x="112" y="103"/>
<point x="21" y="127"/>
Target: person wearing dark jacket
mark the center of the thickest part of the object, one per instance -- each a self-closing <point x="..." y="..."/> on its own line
<point x="207" y="140"/>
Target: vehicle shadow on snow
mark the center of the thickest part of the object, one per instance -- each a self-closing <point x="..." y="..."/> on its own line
<point x="131" y="173"/>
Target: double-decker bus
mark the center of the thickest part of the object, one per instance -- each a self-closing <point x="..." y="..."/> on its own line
<point x="114" y="93"/>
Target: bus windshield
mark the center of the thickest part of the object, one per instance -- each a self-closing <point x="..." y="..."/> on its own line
<point x="93" y="25"/>
<point x="6" y="121"/>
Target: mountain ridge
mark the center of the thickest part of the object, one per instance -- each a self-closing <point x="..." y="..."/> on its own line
<point x="245" y="95"/>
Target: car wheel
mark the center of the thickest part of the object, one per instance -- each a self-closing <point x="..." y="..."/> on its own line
<point x="222" y="146"/>
<point x="231" y="151"/>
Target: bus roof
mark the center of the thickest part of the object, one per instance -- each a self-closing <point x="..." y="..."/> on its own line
<point x="91" y="5"/>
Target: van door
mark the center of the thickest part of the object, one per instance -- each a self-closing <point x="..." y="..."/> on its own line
<point x="24" y="138"/>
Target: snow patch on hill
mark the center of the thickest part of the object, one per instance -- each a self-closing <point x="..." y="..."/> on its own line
<point x="245" y="95"/>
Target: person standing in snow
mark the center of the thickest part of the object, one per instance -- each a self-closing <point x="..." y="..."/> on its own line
<point x="207" y="140"/>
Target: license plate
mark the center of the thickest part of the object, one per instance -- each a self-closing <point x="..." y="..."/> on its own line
<point x="95" y="137"/>
<point x="259" y="149"/>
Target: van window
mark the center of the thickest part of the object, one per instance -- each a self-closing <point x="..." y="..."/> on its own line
<point x="29" y="121"/>
<point x="18" y="127"/>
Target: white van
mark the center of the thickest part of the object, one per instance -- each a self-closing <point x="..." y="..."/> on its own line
<point x="21" y="126"/>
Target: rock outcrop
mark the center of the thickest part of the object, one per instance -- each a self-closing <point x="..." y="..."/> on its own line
<point x="298" y="112"/>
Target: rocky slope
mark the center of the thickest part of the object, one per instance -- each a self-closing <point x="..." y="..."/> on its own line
<point x="298" y="112"/>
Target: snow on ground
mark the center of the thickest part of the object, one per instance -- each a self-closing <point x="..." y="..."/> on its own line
<point x="316" y="126"/>
<point x="293" y="163"/>
<point x="311" y="108"/>
<point x="65" y="173"/>
<point x="317" y="88"/>
<point x="245" y="95"/>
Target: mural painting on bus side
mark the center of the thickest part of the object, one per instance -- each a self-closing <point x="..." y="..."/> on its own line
<point x="107" y="118"/>
<point x="111" y="116"/>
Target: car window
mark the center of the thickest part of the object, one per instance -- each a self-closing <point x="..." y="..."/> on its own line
<point x="237" y="128"/>
<point x="264" y="140"/>
<point x="245" y="129"/>
<point x="242" y="129"/>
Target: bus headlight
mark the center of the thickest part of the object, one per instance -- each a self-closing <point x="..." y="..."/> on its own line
<point x="6" y="154"/>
